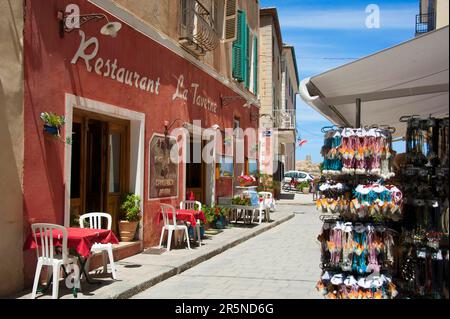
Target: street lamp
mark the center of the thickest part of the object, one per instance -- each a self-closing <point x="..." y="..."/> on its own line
<point x="167" y="127"/>
<point x="109" y="29"/>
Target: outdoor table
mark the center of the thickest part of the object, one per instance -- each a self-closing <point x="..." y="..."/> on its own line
<point x="251" y="208"/>
<point x="79" y="240"/>
<point x="188" y="215"/>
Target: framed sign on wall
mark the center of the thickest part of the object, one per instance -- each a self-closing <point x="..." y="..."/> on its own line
<point x="163" y="173"/>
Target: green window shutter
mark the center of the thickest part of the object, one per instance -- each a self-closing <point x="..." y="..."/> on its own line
<point x="247" y="56"/>
<point x="241" y="51"/>
<point x="236" y="61"/>
<point x="255" y="65"/>
<point x="238" y="49"/>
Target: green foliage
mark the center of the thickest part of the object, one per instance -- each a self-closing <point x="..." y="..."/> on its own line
<point x="241" y="201"/>
<point x="302" y="185"/>
<point x="213" y="213"/>
<point x="52" y="119"/>
<point x="131" y="208"/>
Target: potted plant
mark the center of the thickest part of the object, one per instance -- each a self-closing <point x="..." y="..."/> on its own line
<point x="53" y="124"/>
<point x="304" y="187"/>
<point x="131" y="209"/>
<point x="215" y="216"/>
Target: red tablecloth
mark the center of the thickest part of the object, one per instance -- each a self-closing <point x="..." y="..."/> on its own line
<point x="188" y="215"/>
<point x="80" y="239"/>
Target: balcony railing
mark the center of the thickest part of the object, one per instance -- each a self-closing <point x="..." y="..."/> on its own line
<point x="197" y="33"/>
<point x="425" y="23"/>
<point x="285" y="119"/>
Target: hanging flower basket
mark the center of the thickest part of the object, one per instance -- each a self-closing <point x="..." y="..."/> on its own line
<point x="53" y="124"/>
<point x="245" y="180"/>
<point x="53" y="130"/>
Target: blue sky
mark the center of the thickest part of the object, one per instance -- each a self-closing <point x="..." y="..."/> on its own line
<point x="327" y="34"/>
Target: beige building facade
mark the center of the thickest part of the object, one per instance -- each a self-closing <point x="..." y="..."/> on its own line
<point x="206" y="29"/>
<point x="278" y="89"/>
<point x="433" y="14"/>
<point x="442" y="13"/>
<point x="287" y="114"/>
<point x="11" y="141"/>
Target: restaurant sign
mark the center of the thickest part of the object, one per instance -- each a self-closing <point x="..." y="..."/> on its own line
<point x="111" y="68"/>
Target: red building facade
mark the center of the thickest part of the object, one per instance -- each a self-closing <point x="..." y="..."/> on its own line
<point x="116" y="93"/>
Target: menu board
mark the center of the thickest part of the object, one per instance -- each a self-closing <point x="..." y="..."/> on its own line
<point x="163" y="177"/>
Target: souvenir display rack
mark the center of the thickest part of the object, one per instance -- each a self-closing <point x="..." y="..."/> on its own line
<point x="424" y="269"/>
<point x="361" y="213"/>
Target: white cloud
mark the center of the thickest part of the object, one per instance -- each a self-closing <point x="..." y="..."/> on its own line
<point x="346" y="19"/>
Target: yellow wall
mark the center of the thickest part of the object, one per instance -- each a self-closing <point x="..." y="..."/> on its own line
<point x="165" y="17"/>
<point x="11" y="144"/>
<point x="442" y="7"/>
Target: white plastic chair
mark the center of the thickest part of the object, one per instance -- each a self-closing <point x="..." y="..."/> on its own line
<point x="46" y="256"/>
<point x="170" y="224"/>
<point x="95" y="222"/>
<point x="190" y="204"/>
<point x="256" y="212"/>
<point x="268" y="199"/>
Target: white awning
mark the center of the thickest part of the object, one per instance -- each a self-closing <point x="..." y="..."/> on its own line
<point x="411" y="78"/>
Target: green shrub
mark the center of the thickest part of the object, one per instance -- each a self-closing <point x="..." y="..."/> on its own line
<point x="213" y="213"/>
<point x="131" y="208"/>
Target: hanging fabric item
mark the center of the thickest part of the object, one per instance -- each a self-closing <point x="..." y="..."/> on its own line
<point x="386" y="156"/>
<point x="332" y="161"/>
<point x="357" y="252"/>
<point x="358" y="151"/>
<point x="347" y="151"/>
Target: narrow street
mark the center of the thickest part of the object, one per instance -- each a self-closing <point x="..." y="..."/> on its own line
<point x="282" y="263"/>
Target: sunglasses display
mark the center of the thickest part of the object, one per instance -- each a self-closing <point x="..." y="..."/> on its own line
<point x="424" y="259"/>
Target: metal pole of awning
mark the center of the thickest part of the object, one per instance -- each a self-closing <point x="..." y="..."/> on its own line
<point x="358" y="125"/>
<point x="358" y="113"/>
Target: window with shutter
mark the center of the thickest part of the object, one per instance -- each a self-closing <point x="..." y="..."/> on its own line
<point x="247" y="56"/>
<point x="239" y="55"/>
<point x="255" y="66"/>
<point x="230" y="21"/>
<point x="238" y="51"/>
<point x="241" y="51"/>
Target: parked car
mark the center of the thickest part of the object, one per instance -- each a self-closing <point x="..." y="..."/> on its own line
<point x="298" y="176"/>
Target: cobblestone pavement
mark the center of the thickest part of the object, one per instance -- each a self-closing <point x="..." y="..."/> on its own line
<point x="282" y="263"/>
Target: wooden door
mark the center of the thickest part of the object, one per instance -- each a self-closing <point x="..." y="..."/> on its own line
<point x="100" y="165"/>
<point x="117" y="173"/>
<point x="195" y="175"/>
<point x="77" y="182"/>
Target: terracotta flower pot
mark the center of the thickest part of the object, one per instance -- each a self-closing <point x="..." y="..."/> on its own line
<point x="127" y="230"/>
